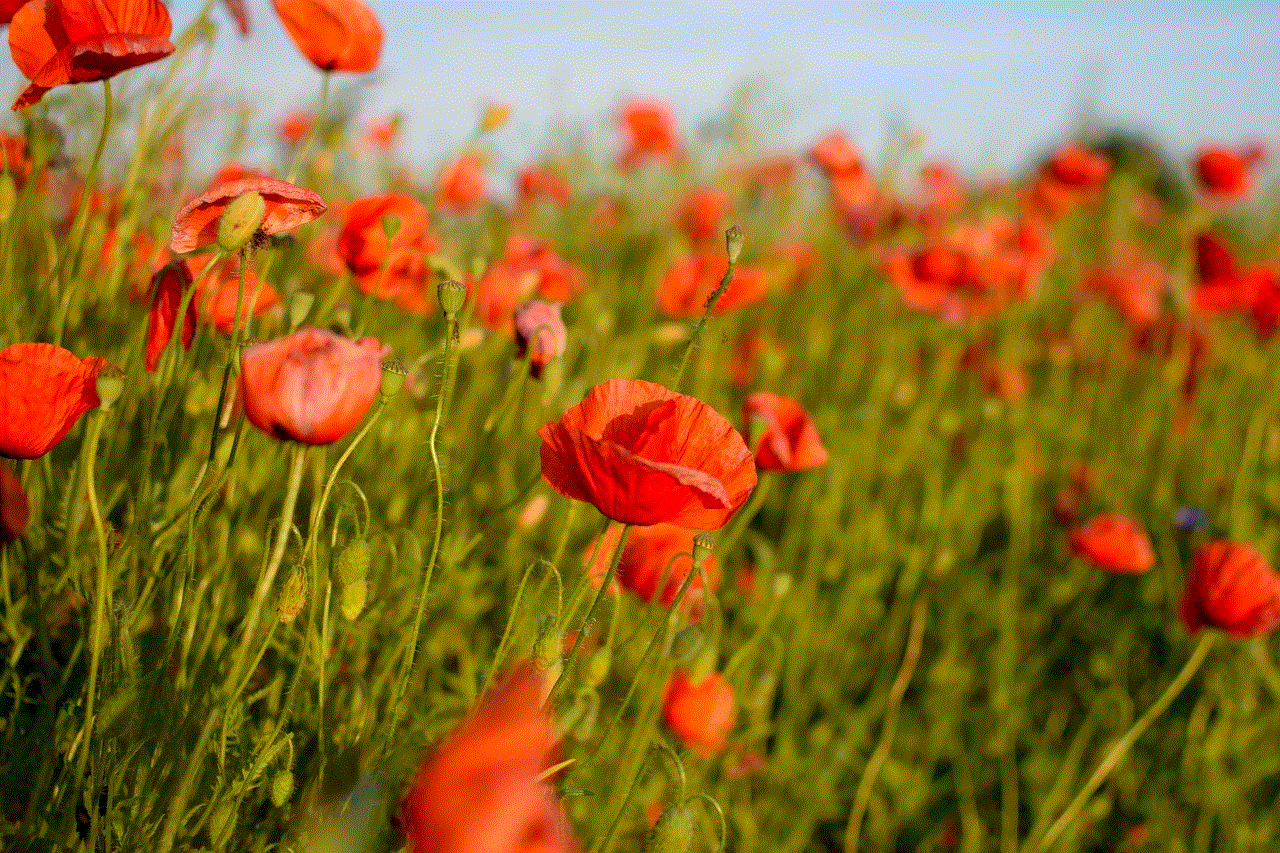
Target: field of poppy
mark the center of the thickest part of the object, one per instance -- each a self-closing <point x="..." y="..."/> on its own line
<point x="776" y="503"/>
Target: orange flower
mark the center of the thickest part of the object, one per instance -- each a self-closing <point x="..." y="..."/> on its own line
<point x="392" y="267"/>
<point x="8" y="8"/>
<point x="167" y="287"/>
<point x="1115" y="543"/>
<point x="642" y="454"/>
<point x="527" y="268"/>
<point x="55" y="42"/>
<point x="836" y="156"/>
<point x="44" y="389"/>
<point x="1006" y="382"/>
<point x="648" y="130"/>
<point x="702" y="714"/>
<point x="650" y="554"/>
<point x="782" y="433"/>
<point x="538" y="324"/>
<point x="336" y="35"/>
<point x="689" y="281"/>
<point x="15" y="512"/>
<point x="1225" y="173"/>
<point x="287" y="206"/>
<point x="699" y="214"/>
<point x="479" y="790"/>
<point x="1231" y="586"/>
<point x="534" y="183"/>
<point x="461" y="186"/>
<point x="381" y="134"/>
<point x="294" y="127"/>
<point x="312" y="386"/>
<point x="1134" y="283"/>
<point x="215" y="299"/>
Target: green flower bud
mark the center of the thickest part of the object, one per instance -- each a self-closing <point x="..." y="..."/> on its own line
<point x="703" y="665"/>
<point x="452" y="295"/>
<point x="673" y="833"/>
<point x="109" y="385"/>
<point x="292" y="597"/>
<point x="597" y="669"/>
<point x="686" y="644"/>
<point x="733" y="242"/>
<point x="393" y="374"/>
<point x="390" y="225"/>
<point x="299" y="307"/>
<point x="353" y="562"/>
<point x="548" y="647"/>
<point x="354" y="596"/>
<point x="281" y="788"/>
<point x="241" y="221"/>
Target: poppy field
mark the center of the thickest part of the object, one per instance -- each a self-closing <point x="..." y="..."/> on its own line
<point x="667" y="500"/>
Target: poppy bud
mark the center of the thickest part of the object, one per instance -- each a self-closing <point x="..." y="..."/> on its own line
<point x="539" y="331"/>
<point x="686" y="645"/>
<point x="393" y="375"/>
<point x="390" y="225"/>
<point x="109" y="385"/>
<point x="548" y="646"/>
<point x="281" y="788"/>
<point x="597" y="669"/>
<point x="673" y="833"/>
<point x="704" y="664"/>
<point x="15" y="512"/>
<point x="300" y="306"/>
<point x="452" y="295"/>
<point x="734" y="239"/>
<point x="240" y="221"/>
<point x="354" y="596"/>
<point x="293" y="596"/>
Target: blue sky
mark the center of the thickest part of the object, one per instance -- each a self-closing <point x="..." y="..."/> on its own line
<point x="991" y="83"/>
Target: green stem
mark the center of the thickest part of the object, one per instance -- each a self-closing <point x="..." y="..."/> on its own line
<point x="97" y="628"/>
<point x="1121" y="747"/>
<point x="300" y="157"/>
<point x="595" y="602"/>
<point x="702" y="323"/>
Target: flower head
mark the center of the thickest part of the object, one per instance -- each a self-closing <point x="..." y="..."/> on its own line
<point x="336" y="35"/>
<point x="659" y="554"/>
<point x="781" y="432"/>
<point x="689" y="281"/>
<point x="539" y="327"/>
<point x="55" y="42"/>
<point x="648" y="130"/>
<point x="168" y="286"/>
<point x="15" y="512"/>
<point x="642" y="454"/>
<point x="480" y="791"/>
<point x="1115" y="543"/>
<point x="461" y="186"/>
<point x="312" y="386"/>
<point x="702" y="714"/>
<point x="44" y="389"/>
<point x="286" y="206"/>
<point x="1231" y="586"/>
<point x="383" y="242"/>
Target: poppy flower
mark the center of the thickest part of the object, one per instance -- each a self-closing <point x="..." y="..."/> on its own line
<point x="702" y="714"/>
<point x="461" y="186"/>
<point x="1231" y="586"/>
<point x="479" y="790"/>
<point x="287" y="206"/>
<point x="44" y="389"/>
<point x="336" y="35"/>
<point x="536" y="183"/>
<point x="539" y="325"/>
<point x="216" y="293"/>
<point x="374" y="258"/>
<point x="699" y="214"/>
<point x="54" y="42"/>
<point x="836" y="156"/>
<point x="8" y="8"/>
<point x="15" y="512"/>
<point x="648" y="130"/>
<point x="1006" y="382"/>
<point x="527" y="268"/>
<point x="643" y="454"/>
<point x="689" y="280"/>
<point x="782" y="433"/>
<point x="168" y="286"/>
<point x="239" y="14"/>
<point x="1225" y="173"/>
<point x="312" y="386"/>
<point x="294" y="127"/>
<point x="650" y="554"/>
<point x="1134" y="283"/>
<point x="1115" y="543"/>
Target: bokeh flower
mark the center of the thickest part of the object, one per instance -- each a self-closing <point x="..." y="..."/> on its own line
<point x="540" y="333"/>
<point x="167" y="287"/>
<point x="702" y="714"/>
<point x="1114" y="542"/>
<point x="650" y="554"/>
<point x="1231" y="586"/>
<point x="15" y="511"/>
<point x="781" y="433"/>
<point x="336" y="35"/>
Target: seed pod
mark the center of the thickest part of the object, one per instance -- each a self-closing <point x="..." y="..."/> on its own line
<point x="673" y="833"/>
<point x="240" y="221"/>
<point x="281" y="788"/>
<point x="353" y="562"/>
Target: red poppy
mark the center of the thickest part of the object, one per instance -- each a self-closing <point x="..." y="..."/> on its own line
<point x="1115" y="543"/>
<point x="648" y="130"/>
<point x="312" y="386"/>
<point x="287" y="206"/>
<point x="239" y="14"/>
<point x="336" y="35"/>
<point x="216" y="293"/>
<point x="461" y="186"/>
<point x="55" y="42"/>
<point x="1006" y="382"/>
<point x="536" y="183"/>
<point x="538" y="325"/>
<point x="782" y="433"/>
<point x="642" y="454"/>
<point x="689" y="281"/>
<point x="17" y="159"/>
<point x="15" y="512"/>
<point x="7" y="9"/>
<point x="836" y="156"/>
<point x="168" y="285"/>
<point x="388" y="267"/>
<point x="480" y="790"/>
<point x="381" y="134"/>
<point x="1226" y="173"/>
<point x="699" y="214"/>
<point x="1223" y="285"/>
<point x="1134" y="283"/>
<point x="527" y="268"/>
<point x="702" y="714"/>
<point x="652" y="553"/>
<point x="1231" y="586"/>
<point x="44" y="390"/>
<point x="294" y="127"/>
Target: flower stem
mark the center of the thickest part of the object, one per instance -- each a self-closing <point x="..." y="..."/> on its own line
<point x="300" y="157"/>
<point x="702" y="323"/>
<point x="1121" y="747"/>
<point x="102" y="591"/>
<point x="595" y="602"/>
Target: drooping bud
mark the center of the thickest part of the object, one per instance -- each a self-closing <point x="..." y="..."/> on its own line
<point x="353" y="571"/>
<point x="703" y="665"/>
<point x="734" y="239"/>
<point x="241" y="221"/>
<point x="293" y="596"/>
<point x="547" y="648"/>
<point x="281" y="788"/>
<point x="673" y="833"/>
<point x="597" y="669"/>
<point x="452" y="295"/>
<point x="109" y="385"/>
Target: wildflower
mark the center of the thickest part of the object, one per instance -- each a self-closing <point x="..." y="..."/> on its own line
<point x="642" y="454"/>
<point x="168" y="286"/>
<point x="335" y="35"/>
<point x="781" y="432"/>
<point x="535" y="183"/>
<point x="648" y="130"/>
<point x="1225" y="173"/>
<point x="384" y="242"/>
<point x="461" y="186"/>
<point x="381" y="134"/>
<point x="699" y="214"/>
<point x="294" y="127"/>
<point x="538" y="325"/>
<point x="527" y="268"/>
<point x="689" y="280"/>
<point x="55" y="42"/>
<point x="701" y="714"/>
<point x="312" y="386"/>
<point x="1115" y="543"/>
<point x="480" y="790"/>
<point x="44" y="389"/>
<point x="285" y="207"/>
<point x="650" y="555"/>
<point x="216" y="294"/>
<point x="15" y="512"/>
<point x="1231" y="586"/>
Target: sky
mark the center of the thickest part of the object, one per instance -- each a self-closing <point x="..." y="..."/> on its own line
<point x="991" y="84"/>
